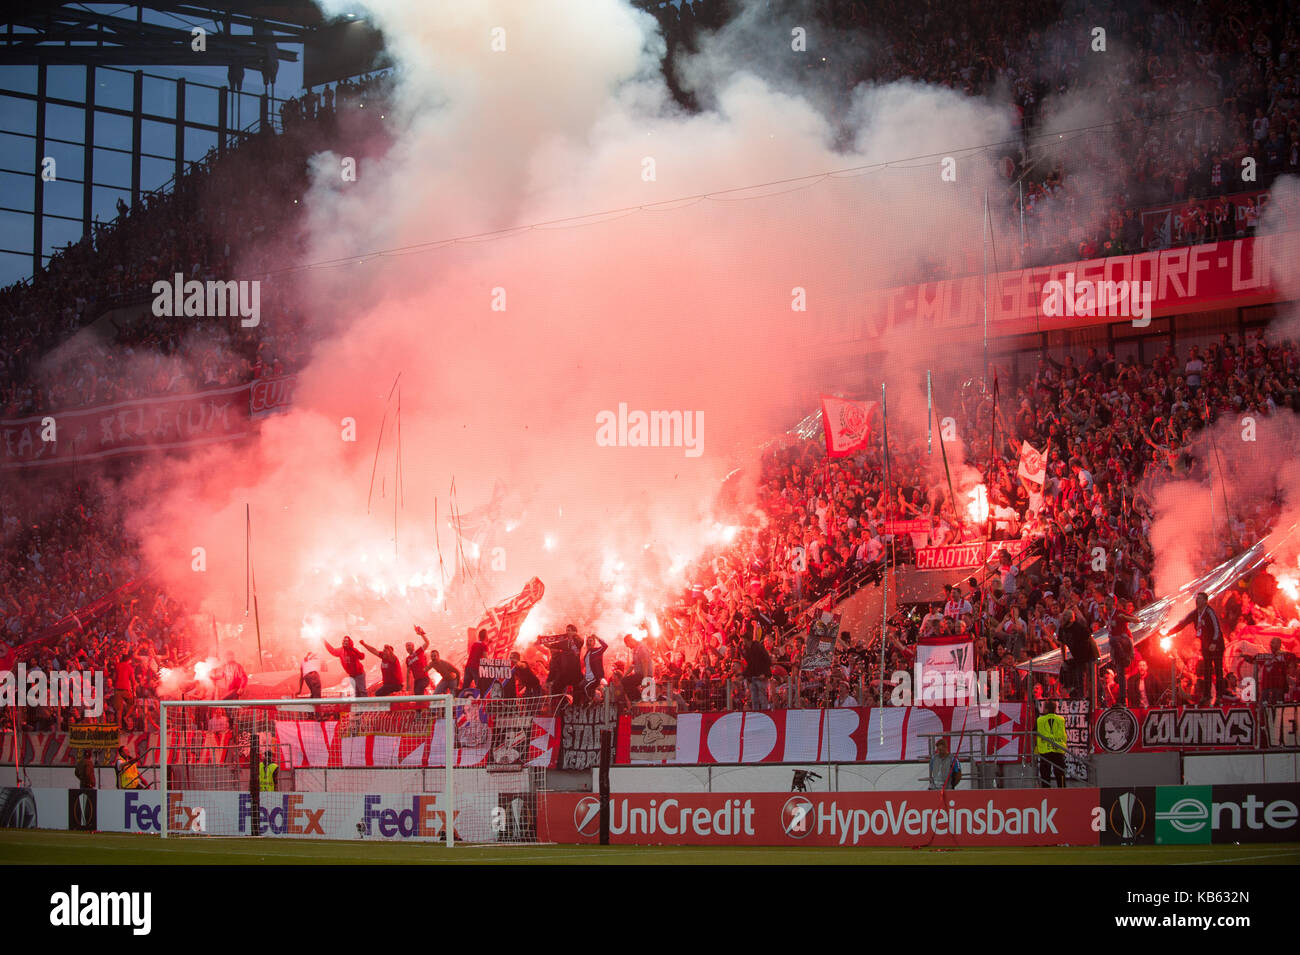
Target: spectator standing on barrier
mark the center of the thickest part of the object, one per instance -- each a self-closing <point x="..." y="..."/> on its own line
<point x="643" y="666"/>
<point x="351" y="658"/>
<point x="1077" y="638"/>
<point x="1050" y="746"/>
<point x="450" y="675"/>
<point x="593" y="666"/>
<point x="1210" y="632"/>
<point x="236" y="677"/>
<point x="477" y="650"/>
<point x="390" y="669"/>
<point x="123" y="688"/>
<point x="523" y="682"/>
<point x="1121" y="646"/>
<point x="309" y="674"/>
<point x="417" y="664"/>
<point x="758" y="672"/>
<point x="564" y="675"/>
<point x="1272" y="669"/>
<point x="85" y="770"/>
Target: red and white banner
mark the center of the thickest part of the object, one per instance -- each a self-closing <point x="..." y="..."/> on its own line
<point x="1198" y="278"/>
<point x="503" y="621"/>
<point x="1165" y="225"/>
<point x="974" y="554"/>
<point x="848" y="734"/>
<point x="314" y="744"/>
<point x="847" y="425"/>
<point x="140" y="425"/>
<point x="1033" y="464"/>
<point x="999" y="817"/>
<point x="271" y="395"/>
<point x="53" y="749"/>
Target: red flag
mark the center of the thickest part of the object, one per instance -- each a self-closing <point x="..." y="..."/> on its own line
<point x="847" y="425"/>
<point x="503" y="621"/>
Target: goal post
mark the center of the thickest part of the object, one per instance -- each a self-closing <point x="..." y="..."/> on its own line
<point x="419" y="768"/>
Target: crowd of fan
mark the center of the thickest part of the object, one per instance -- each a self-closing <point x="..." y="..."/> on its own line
<point x="739" y="637"/>
<point x="53" y="612"/>
<point x="1111" y="432"/>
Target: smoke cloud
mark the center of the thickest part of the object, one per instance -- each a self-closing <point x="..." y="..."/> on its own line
<point x="504" y="349"/>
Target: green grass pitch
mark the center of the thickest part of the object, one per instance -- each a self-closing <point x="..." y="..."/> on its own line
<point x="41" y="847"/>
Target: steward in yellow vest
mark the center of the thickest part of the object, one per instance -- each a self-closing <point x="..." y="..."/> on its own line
<point x="266" y="773"/>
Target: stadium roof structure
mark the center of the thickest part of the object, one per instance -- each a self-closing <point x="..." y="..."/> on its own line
<point x="131" y="34"/>
<point x="91" y="63"/>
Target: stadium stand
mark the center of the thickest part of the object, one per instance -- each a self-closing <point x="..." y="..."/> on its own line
<point x="1112" y="428"/>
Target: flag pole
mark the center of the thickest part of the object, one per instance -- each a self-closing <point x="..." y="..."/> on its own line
<point x="929" y="414"/>
<point x="884" y="608"/>
<point x="993" y="437"/>
<point x="252" y="578"/>
<point x="952" y="495"/>
<point x="985" y="248"/>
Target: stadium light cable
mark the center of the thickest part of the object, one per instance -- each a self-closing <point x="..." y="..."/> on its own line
<point x="577" y="221"/>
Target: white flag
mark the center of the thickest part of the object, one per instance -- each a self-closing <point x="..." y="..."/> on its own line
<point x="1033" y="465"/>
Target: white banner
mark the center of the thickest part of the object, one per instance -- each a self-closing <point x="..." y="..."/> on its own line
<point x="944" y="665"/>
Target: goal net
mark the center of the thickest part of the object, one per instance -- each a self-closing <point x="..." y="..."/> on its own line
<point x="432" y="768"/>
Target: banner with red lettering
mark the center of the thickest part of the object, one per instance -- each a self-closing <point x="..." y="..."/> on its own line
<point x="140" y="425"/>
<point x="974" y="554"/>
<point x="480" y="741"/>
<point x="846" y="734"/>
<point x="998" y="817"/>
<point x="847" y="425"/>
<point x="1213" y="275"/>
<point x="271" y="395"/>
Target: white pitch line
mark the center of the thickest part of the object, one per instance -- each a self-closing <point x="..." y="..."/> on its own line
<point x="1280" y="853"/>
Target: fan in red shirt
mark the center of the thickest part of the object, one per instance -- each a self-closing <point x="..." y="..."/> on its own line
<point x="390" y="669"/>
<point x="417" y="664"/>
<point x="351" y="658"/>
<point x="123" y="686"/>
